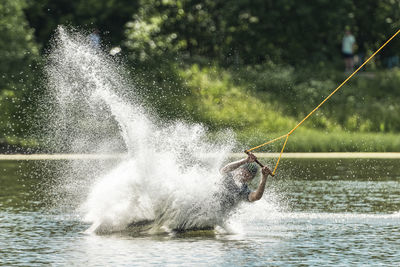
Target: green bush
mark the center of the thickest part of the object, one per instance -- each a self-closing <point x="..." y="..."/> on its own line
<point x="216" y="101"/>
<point x="18" y="53"/>
<point x="261" y="107"/>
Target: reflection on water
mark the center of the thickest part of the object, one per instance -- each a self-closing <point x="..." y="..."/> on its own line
<point x="326" y="212"/>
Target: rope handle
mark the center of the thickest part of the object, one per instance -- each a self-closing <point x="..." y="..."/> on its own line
<point x="256" y="161"/>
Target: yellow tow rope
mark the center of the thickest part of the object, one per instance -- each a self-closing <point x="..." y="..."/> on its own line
<point x="315" y="109"/>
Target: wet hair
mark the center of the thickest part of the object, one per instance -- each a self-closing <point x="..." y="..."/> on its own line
<point x="252" y="168"/>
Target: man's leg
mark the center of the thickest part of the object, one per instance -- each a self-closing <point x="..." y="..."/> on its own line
<point x="347" y="64"/>
<point x="351" y="63"/>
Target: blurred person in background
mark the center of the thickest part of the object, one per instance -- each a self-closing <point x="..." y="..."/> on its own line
<point x="348" y="44"/>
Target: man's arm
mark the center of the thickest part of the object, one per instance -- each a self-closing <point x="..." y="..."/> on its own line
<point x="256" y="195"/>
<point x="236" y="164"/>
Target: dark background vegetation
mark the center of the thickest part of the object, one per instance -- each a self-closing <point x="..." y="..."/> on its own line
<point x="256" y="67"/>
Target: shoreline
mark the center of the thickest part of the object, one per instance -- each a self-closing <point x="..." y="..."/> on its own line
<point x="300" y="155"/>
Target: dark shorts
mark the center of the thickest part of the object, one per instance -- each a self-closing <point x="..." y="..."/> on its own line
<point x="347" y="55"/>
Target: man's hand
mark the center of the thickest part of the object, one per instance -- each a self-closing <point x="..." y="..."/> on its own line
<point x="251" y="157"/>
<point x="266" y="171"/>
<point x="256" y="195"/>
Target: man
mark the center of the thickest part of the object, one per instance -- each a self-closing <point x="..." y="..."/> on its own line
<point x="234" y="184"/>
<point x="203" y="215"/>
<point x="347" y="50"/>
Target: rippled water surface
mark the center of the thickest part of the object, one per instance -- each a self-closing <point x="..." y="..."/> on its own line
<point x="315" y="212"/>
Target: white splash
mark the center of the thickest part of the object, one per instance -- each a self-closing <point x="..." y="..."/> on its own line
<point x="168" y="179"/>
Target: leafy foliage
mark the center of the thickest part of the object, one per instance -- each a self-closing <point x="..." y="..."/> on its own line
<point x="18" y="53"/>
<point x="218" y="102"/>
<point x="109" y="16"/>
<point x="351" y="121"/>
<point x="293" y="32"/>
<point x="254" y="66"/>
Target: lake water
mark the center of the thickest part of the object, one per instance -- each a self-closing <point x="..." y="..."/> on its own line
<point x="314" y="213"/>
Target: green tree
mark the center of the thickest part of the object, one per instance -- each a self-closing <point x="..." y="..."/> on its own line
<point x="18" y="53"/>
<point x="293" y="32"/>
<point x="109" y="16"/>
<point x="374" y="23"/>
<point x="167" y="27"/>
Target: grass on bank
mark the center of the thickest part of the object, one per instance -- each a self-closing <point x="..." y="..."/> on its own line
<point x="261" y="104"/>
<point x="319" y="141"/>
